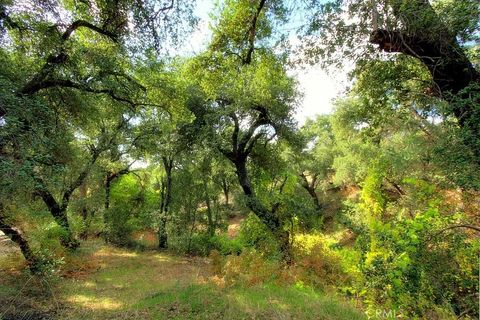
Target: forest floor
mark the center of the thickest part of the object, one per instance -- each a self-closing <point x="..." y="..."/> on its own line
<point x="104" y="282"/>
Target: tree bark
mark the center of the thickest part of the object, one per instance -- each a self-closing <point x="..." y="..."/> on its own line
<point x="22" y="243"/>
<point x="211" y="226"/>
<point x="60" y="215"/>
<point x="165" y="202"/>
<point x="455" y="78"/>
<point x="269" y="218"/>
<point x="242" y="146"/>
<point x="226" y="190"/>
<point x="108" y="183"/>
<point x="310" y="187"/>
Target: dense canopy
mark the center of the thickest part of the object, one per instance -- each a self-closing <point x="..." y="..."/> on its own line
<point x="121" y="150"/>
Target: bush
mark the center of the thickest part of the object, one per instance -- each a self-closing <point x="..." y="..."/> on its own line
<point x="316" y="264"/>
<point x="404" y="267"/>
<point x="47" y="264"/>
<point x="121" y="224"/>
<point x="254" y="234"/>
<point x="227" y="245"/>
<point x="248" y="269"/>
<point x="201" y="244"/>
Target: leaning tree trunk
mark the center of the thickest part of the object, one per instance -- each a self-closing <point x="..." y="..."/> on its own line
<point x="22" y="243"/>
<point x="59" y="213"/>
<point x="269" y="218"/>
<point x="108" y="183"/>
<point x="455" y="78"/>
<point x="67" y="239"/>
<point x="84" y="212"/>
<point x="310" y="187"/>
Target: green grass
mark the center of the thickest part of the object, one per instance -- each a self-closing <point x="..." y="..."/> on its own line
<point x="260" y="302"/>
<point x="103" y="282"/>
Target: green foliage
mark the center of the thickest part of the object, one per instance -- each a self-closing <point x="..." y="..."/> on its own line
<point x="99" y="134"/>
<point x="408" y="263"/>
<point x="254" y="234"/>
<point x="132" y="210"/>
<point x="373" y="198"/>
<point x="202" y="244"/>
<point x="317" y="264"/>
<point x="248" y="269"/>
<point x="48" y="264"/>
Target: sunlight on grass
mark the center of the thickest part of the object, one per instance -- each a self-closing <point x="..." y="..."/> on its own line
<point x="164" y="258"/>
<point x="148" y="285"/>
<point x="95" y="303"/>
<point x="89" y="284"/>
<point x="116" y="253"/>
<point x="277" y="303"/>
<point x="258" y="302"/>
<point x="11" y="261"/>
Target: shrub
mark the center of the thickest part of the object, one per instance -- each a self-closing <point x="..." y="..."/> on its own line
<point x="317" y="264"/>
<point x="201" y="244"/>
<point x="119" y="226"/>
<point x="405" y="267"/>
<point x="47" y="263"/>
<point x="254" y="234"/>
<point x="249" y="268"/>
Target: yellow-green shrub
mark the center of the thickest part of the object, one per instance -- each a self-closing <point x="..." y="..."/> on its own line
<point x="315" y="263"/>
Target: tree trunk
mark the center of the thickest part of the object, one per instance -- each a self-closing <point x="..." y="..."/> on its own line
<point x="192" y="229"/>
<point x="162" y="234"/>
<point x="269" y="218"/>
<point x="84" y="211"/>
<point x="108" y="182"/>
<point x="67" y="240"/>
<point x="211" y="226"/>
<point x="60" y="215"/>
<point x="23" y="244"/>
<point x="226" y="191"/>
<point x="310" y="187"/>
<point x="450" y="68"/>
<point x="313" y="194"/>
<point x="165" y="203"/>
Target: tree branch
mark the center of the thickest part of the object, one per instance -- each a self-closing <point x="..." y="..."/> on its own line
<point x="260" y="121"/>
<point x="251" y="142"/>
<point x="82" y="23"/>
<point x="38" y="81"/>
<point x="60" y="83"/>
<point x="467" y="226"/>
<point x="252" y="33"/>
<point x="235" y="132"/>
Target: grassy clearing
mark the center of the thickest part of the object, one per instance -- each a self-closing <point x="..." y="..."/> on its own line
<point x="265" y="302"/>
<point x="103" y="282"/>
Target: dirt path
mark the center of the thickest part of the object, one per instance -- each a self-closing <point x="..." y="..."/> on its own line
<point x="234" y="226"/>
<point x="103" y="282"/>
<point x="98" y="281"/>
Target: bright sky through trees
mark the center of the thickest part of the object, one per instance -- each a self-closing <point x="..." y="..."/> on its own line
<point x="239" y="159"/>
<point x="318" y="87"/>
